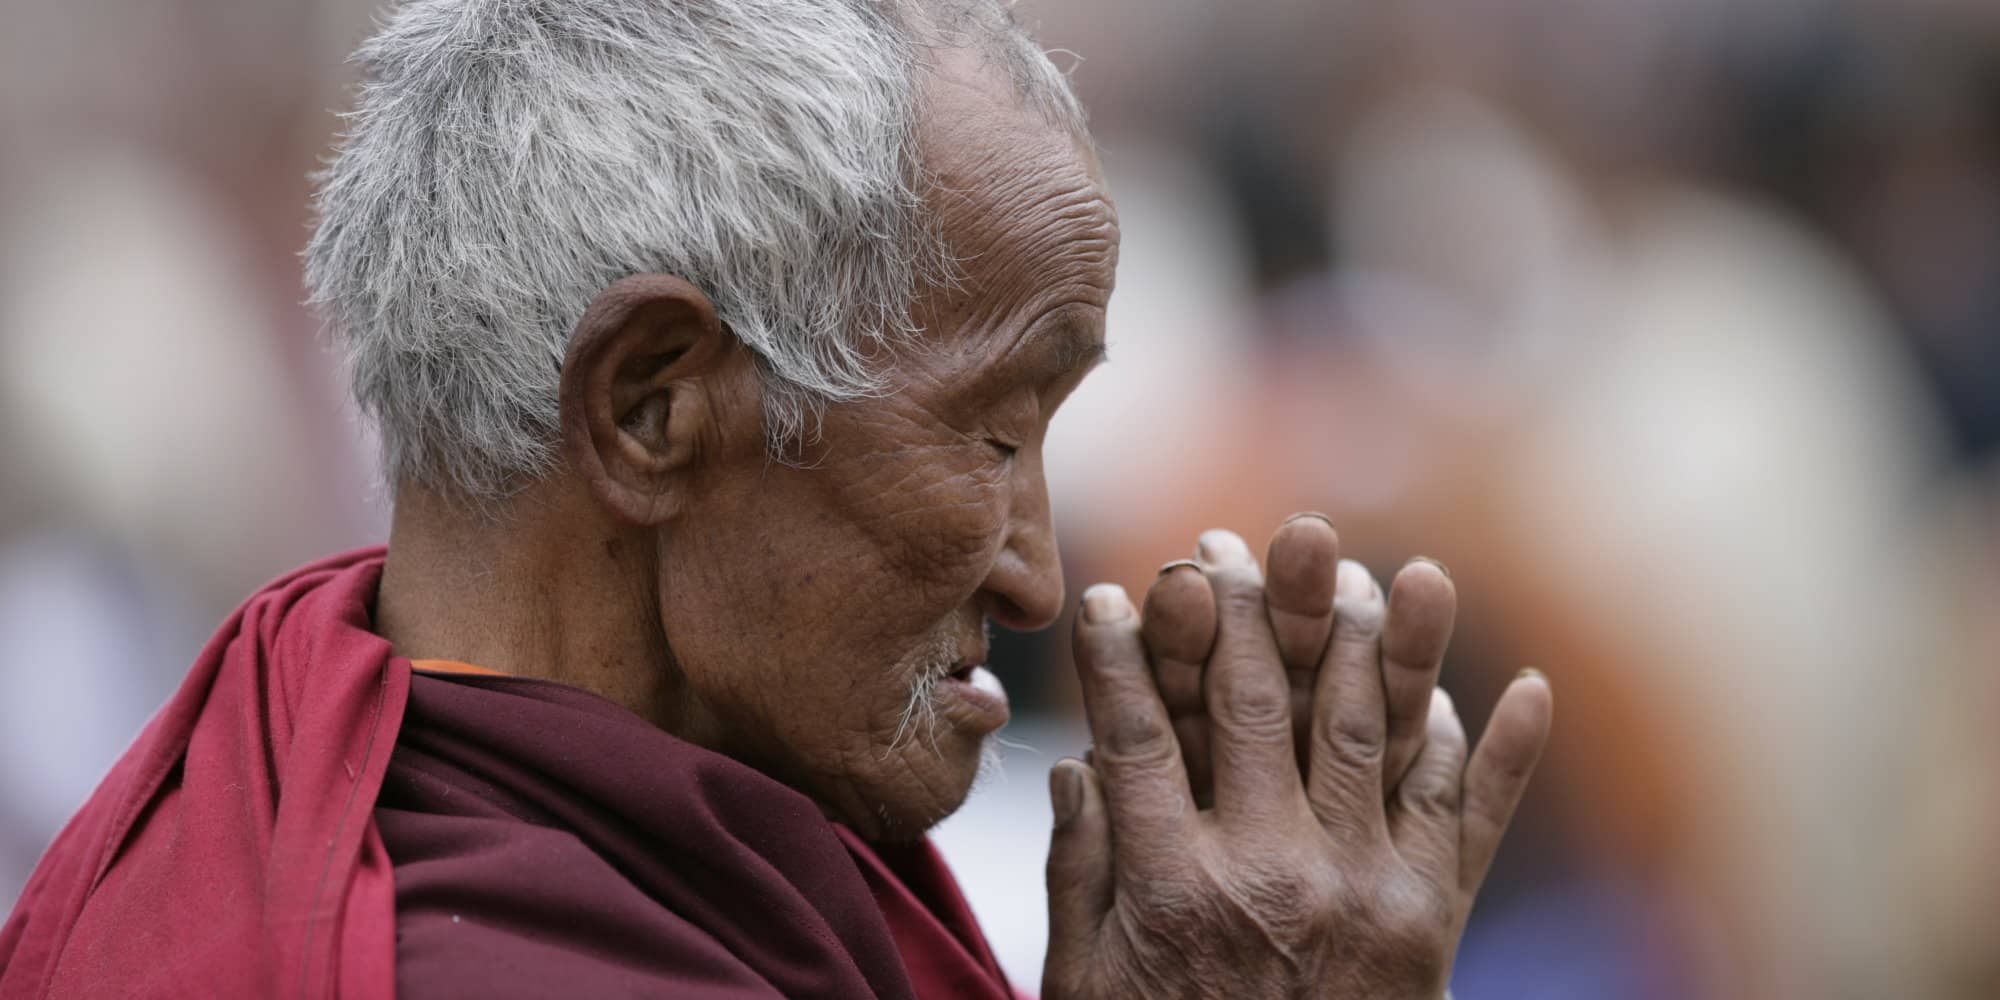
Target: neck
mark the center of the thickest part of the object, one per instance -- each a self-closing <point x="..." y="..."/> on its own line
<point x="550" y="590"/>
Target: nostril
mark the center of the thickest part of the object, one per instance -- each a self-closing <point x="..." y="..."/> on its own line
<point x="1024" y="589"/>
<point x="1002" y="609"/>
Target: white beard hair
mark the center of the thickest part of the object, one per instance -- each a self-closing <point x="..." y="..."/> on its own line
<point x="919" y="719"/>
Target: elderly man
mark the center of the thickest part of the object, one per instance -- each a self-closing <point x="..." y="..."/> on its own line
<point x="712" y="345"/>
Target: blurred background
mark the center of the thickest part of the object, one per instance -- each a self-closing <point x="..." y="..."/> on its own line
<point x="1671" y="326"/>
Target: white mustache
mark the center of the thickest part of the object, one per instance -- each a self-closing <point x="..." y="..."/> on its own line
<point x="919" y="717"/>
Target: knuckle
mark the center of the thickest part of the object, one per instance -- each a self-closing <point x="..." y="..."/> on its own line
<point x="1353" y="740"/>
<point x="1275" y="901"/>
<point x="1170" y="891"/>
<point x="1137" y="735"/>
<point x="1343" y="823"/>
<point x="1404" y="929"/>
<point x="1413" y="919"/>
<point x="1433" y="795"/>
<point x="1289" y="913"/>
<point x="1254" y="700"/>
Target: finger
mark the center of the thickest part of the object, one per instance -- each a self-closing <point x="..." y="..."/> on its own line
<point x="1422" y="605"/>
<point x="1133" y="746"/>
<point x="1424" y="817"/>
<point x="1178" y="627"/>
<point x="1249" y="698"/>
<point x="1344" y="779"/>
<point x="1298" y="598"/>
<point x="1298" y="591"/>
<point x="1080" y="861"/>
<point x="1499" y="772"/>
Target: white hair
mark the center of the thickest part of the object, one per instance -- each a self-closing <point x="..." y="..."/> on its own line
<point x="508" y="159"/>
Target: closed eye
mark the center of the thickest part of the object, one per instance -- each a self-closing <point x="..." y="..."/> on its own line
<point x="1002" y="448"/>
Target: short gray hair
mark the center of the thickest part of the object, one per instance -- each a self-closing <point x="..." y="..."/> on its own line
<point x="508" y="159"/>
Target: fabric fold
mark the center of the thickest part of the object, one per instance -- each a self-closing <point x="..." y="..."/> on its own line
<point x="230" y="851"/>
<point x="309" y="817"/>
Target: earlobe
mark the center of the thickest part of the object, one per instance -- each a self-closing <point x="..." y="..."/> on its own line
<point x="637" y="379"/>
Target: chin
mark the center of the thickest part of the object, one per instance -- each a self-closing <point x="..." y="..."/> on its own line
<point x="920" y="787"/>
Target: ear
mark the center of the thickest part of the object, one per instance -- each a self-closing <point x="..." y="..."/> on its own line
<point x="640" y="384"/>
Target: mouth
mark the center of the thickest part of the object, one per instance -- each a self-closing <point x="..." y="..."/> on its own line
<point x="977" y="695"/>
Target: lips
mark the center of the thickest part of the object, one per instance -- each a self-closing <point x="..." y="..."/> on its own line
<point x="971" y="656"/>
<point x="978" y="696"/>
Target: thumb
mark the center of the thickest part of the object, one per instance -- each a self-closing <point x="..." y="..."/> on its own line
<point x="1079" y="870"/>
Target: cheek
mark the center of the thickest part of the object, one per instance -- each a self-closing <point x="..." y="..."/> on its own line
<point x="939" y="540"/>
<point x="809" y="573"/>
<point x="922" y="503"/>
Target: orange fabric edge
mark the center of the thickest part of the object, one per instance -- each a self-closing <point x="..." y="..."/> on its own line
<point x="453" y="667"/>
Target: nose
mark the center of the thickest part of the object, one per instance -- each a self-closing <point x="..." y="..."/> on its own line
<point x="1024" y="591"/>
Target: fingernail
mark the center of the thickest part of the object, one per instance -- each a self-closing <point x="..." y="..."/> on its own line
<point x="1353" y="581"/>
<point x="1180" y="564"/>
<point x="1442" y="568"/>
<point x="1065" y="792"/>
<point x="1301" y="515"/>
<point x="1105" y="602"/>
<point x="1218" y="546"/>
<point x="1532" y="672"/>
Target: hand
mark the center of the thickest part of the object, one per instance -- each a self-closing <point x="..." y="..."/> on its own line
<point x="1344" y="871"/>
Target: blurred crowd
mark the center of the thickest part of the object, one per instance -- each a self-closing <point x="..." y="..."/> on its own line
<point x="1671" y="326"/>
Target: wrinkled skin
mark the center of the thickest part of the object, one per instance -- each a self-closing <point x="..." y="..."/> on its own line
<point x="1339" y="858"/>
<point x="789" y="613"/>
<point x="917" y="516"/>
<point x="786" y="613"/>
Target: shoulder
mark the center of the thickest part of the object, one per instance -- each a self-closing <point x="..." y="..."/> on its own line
<point x="561" y="947"/>
<point x="489" y="906"/>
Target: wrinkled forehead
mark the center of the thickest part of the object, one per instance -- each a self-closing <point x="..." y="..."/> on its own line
<point x="1008" y="186"/>
<point x="978" y="126"/>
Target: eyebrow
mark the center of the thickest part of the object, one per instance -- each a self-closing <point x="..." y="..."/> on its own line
<point x="1069" y="347"/>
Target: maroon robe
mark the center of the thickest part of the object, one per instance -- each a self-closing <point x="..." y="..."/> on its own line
<point x="285" y="827"/>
